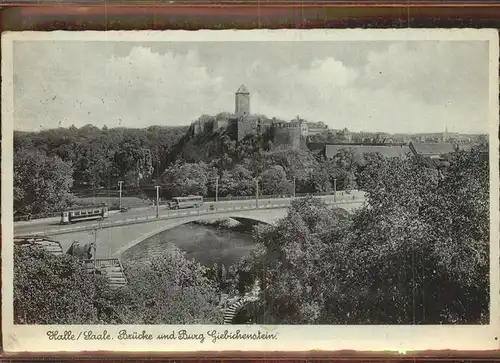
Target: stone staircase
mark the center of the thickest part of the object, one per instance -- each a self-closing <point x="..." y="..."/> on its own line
<point x="235" y="306"/>
<point x="111" y="268"/>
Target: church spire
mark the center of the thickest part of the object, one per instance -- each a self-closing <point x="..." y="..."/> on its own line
<point x="445" y="134"/>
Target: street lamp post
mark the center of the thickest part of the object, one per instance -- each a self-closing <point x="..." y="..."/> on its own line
<point x="120" y="183"/>
<point x="257" y="192"/>
<point x="94" y="248"/>
<point x="157" y="200"/>
<point x="294" y="187"/>
<point x="334" y="190"/>
<point x="217" y="189"/>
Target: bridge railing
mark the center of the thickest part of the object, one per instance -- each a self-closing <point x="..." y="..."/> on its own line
<point x="275" y="196"/>
<point x="182" y="213"/>
<point x="19" y="218"/>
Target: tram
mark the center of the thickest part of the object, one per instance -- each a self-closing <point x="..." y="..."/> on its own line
<point x="84" y="214"/>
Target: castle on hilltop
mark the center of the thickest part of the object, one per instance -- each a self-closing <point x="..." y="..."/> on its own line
<point x="243" y="123"/>
<point x="284" y="133"/>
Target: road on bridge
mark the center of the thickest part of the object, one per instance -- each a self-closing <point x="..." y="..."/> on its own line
<point x="128" y="229"/>
<point x="49" y="225"/>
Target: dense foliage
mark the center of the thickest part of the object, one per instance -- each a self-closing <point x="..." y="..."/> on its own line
<point x="101" y="157"/>
<point x="417" y="253"/>
<point x="53" y="166"/>
<point x="56" y="290"/>
<point x="41" y="183"/>
<point x="169" y="289"/>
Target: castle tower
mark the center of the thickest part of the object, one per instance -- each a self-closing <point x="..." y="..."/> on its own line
<point x="242" y="102"/>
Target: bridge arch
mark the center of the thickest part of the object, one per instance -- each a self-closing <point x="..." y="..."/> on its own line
<point x="115" y="238"/>
<point x="242" y="217"/>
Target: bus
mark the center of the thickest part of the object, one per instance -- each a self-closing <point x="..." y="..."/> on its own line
<point x="186" y="202"/>
<point x="84" y="214"/>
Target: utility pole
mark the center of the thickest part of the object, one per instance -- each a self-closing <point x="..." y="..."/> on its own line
<point x="294" y="187"/>
<point x="157" y="200"/>
<point x="94" y="248"/>
<point x="257" y="192"/>
<point x="120" y="183"/>
<point x="335" y="190"/>
<point x="216" y="188"/>
<point x="157" y="164"/>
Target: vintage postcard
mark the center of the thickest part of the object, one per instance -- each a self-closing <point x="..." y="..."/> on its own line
<point x="250" y="190"/>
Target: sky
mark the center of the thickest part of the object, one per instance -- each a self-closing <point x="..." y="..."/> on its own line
<point x="384" y="86"/>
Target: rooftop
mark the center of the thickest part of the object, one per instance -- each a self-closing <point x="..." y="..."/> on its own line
<point x="320" y="124"/>
<point x="242" y="89"/>
<point x="385" y="150"/>
<point x="434" y="149"/>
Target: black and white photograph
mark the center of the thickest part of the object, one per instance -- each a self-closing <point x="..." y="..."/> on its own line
<point x="301" y="181"/>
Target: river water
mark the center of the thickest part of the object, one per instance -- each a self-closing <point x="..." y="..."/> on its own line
<point x="204" y="243"/>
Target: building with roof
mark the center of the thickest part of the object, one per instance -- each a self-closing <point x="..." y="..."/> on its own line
<point x="346" y="134"/>
<point x="425" y="150"/>
<point x="389" y="150"/>
<point x="315" y="128"/>
<point x="432" y="150"/>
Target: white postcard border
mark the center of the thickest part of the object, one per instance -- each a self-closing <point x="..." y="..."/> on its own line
<point x="18" y="338"/>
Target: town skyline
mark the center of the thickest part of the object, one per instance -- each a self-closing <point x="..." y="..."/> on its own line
<point x="392" y="87"/>
<point x="188" y="124"/>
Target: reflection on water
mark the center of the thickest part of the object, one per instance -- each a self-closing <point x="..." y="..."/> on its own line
<point x="206" y="244"/>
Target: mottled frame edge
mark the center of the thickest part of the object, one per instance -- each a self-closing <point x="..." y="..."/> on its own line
<point x="440" y="355"/>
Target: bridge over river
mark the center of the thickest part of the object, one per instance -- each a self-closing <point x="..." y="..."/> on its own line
<point x="122" y="231"/>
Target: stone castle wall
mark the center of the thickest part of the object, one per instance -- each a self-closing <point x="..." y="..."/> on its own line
<point x="220" y="123"/>
<point x="246" y="127"/>
<point x="210" y="123"/>
<point x="287" y="136"/>
<point x="284" y="134"/>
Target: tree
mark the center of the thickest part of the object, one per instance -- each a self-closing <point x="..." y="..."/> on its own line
<point x="134" y="162"/>
<point x="417" y="253"/>
<point x="41" y="183"/>
<point x="237" y="182"/>
<point x="459" y="215"/>
<point x="298" y="263"/>
<point x="425" y="235"/>
<point x="100" y="158"/>
<point x="52" y="289"/>
<point x="184" y="179"/>
<point x="94" y="166"/>
<point x="169" y="289"/>
<point x="212" y="180"/>
<point x="343" y="168"/>
<point x="319" y="180"/>
<point x="274" y="182"/>
<point x="367" y="170"/>
<point x="296" y="163"/>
